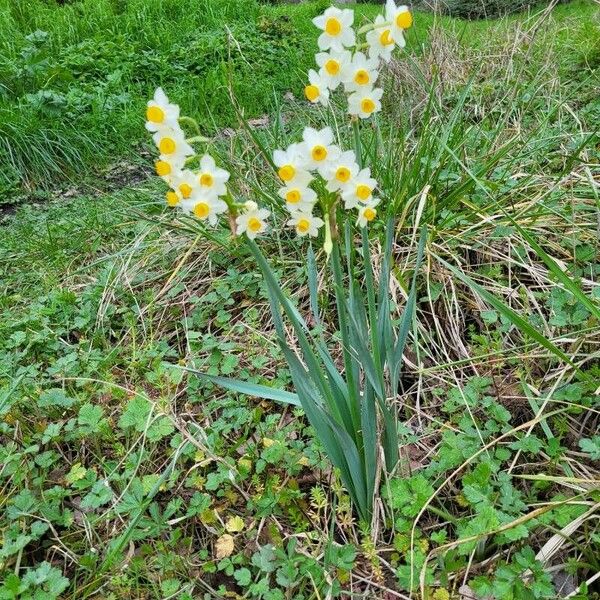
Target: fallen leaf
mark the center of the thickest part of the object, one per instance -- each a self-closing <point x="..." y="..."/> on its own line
<point x="224" y="546"/>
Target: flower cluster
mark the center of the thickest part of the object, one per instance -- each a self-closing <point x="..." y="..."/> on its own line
<point x="339" y="174"/>
<point x="356" y="71"/>
<point x="315" y="171"/>
<point x="198" y="191"/>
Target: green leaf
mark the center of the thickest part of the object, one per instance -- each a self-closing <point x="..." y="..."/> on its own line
<point x="249" y="389"/>
<point x="552" y="265"/>
<point x="136" y="414"/>
<point x="55" y="397"/>
<point x="160" y="428"/>
<point x="90" y="417"/>
<point x="591" y="446"/>
<point x="509" y="313"/>
<point x="99" y="495"/>
<point x="243" y="576"/>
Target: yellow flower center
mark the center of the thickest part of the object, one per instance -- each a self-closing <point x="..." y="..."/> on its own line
<point x="319" y="153"/>
<point x="343" y="174"/>
<point x="206" y="179"/>
<point x="287" y="172"/>
<point x="332" y="67"/>
<point x="333" y="26"/>
<point x="361" y="77"/>
<point x="254" y="224"/>
<point x="369" y="213"/>
<point x="363" y="191"/>
<point x="155" y="114"/>
<point x="404" y="19"/>
<point x="311" y="92"/>
<point x="163" y="168"/>
<point x="303" y="225"/>
<point x="367" y="105"/>
<point x="385" y="39"/>
<point x="167" y="145"/>
<point x="186" y="190"/>
<point x="202" y="210"/>
<point x="172" y="198"/>
<point x="293" y="196"/>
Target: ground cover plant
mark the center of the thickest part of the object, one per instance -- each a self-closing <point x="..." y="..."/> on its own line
<point x="125" y="476"/>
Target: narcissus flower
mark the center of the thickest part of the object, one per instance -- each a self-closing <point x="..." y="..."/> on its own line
<point x="166" y="168"/>
<point x="360" y="74"/>
<point x="332" y="65"/>
<point x="305" y="224"/>
<point x="400" y="18"/>
<point x="172" y="198"/>
<point x="367" y="213"/>
<point x="210" y="178"/>
<point x="341" y="171"/>
<point x="380" y="40"/>
<point x="172" y="145"/>
<point x="185" y="183"/>
<point x="319" y="149"/>
<point x="204" y="208"/>
<point x="298" y="198"/>
<point x="359" y="190"/>
<point x="252" y="222"/>
<point x="337" y="29"/>
<point x="364" y="103"/>
<point x="291" y="165"/>
<point x="160" y="113"/>
<point x="316" y="91"/>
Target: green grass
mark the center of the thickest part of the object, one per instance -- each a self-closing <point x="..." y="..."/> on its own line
<point x="121" y="476"/>
<point x="74" y="77"/>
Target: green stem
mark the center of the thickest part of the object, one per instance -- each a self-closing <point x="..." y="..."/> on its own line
<point x="198" y="139"/>
<point x="371" y="26"/>
<point x="193" y="124"/>
<point x="353" y="399"/>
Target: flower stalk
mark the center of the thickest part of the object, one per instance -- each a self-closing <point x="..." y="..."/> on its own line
<point x="327" y="191"/>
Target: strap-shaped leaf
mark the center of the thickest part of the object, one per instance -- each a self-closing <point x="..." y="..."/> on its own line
<point x="338" y="444"/>
<point x="311" y="267"/>
<point x="370" y="447"/>
<point x="389" y="439"/>
<point x="569" y="283"/>
<point x="249" y="389"/>
<point x="407" y="317"/>
<point x="515" y="318"/>
<point x="361" y="348"/>
<point x="296" y="320"/>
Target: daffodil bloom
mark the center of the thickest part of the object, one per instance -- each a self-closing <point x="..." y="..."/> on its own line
<point x="340" y="172"/>
<point x="380" y="40"/>
<point x="306" y="224"/>
<point x="319" y="150"/>
<point x="316" y="91"/>
<point x="173" y="198"/>
<point x="185" y="183"/>
<point x="367" y="213"/>
<point x="204" y="208"/>
<point x="172" y="145"/>
<point x="337" y="29"/>
<point x="210" y="178"/>
<point x="166" y="168"/>
<point x="332" y="65"/>
<point x="360" y="74"/>
<point x="252" y="222"/>
<point x="359" y="190"/>
<point x="160" y="113"/>
<point x="298" y="198"/>
<point x="400" y="18"/>
<point x="291" y="165"/>
<point x="364" y="103"/>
